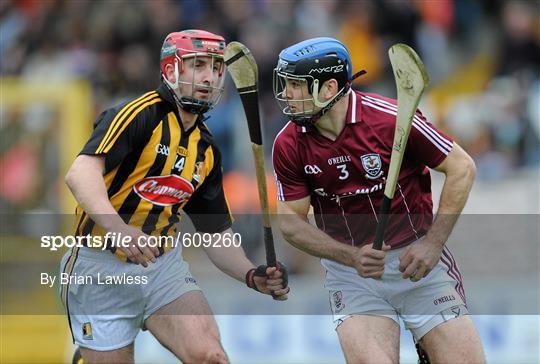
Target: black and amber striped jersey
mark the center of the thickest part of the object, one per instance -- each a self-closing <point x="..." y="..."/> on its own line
<point x="154" y="168"/>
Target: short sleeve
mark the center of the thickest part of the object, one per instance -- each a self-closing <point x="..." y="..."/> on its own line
<point x="426" y="143"/>
<point x="208" y="208"/>
<point x="115" y="136"/>
<point x="290" y="179"/>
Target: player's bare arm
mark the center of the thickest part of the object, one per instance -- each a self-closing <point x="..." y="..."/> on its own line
<point x="85" y="180"/>
<point x="418" y="259"/>
<point x="233" y="262"/>
<point x="301" y="234"/>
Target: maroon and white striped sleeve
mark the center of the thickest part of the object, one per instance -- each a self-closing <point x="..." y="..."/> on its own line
<point x="426" y="143"/>
<point x="290" y="179"/>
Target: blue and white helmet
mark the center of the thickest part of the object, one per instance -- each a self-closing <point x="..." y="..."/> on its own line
<point x="313" y="61"/>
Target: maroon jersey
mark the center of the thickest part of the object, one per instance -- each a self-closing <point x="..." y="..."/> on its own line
<point x="345" y="177"/>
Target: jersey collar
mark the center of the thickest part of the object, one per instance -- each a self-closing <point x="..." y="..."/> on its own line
<point x="354" y="110"/>
<point x="352" y="117"/>
<point x="165" y="93"/>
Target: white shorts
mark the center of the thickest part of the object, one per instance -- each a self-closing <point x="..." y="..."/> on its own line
<point x="106" y="309"/>
<point x="422" y="305"/>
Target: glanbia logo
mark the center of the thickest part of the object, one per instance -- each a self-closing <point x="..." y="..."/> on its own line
<point x="164" y="190"/>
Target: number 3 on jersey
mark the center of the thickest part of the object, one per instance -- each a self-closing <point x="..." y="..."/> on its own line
<point x="179" y="163"/>
<point x="344" y="172"/>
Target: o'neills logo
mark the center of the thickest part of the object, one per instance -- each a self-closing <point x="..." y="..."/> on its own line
<point x="164" y="190"/>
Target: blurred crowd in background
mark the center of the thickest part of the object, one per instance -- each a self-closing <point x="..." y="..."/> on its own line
<point x="483" y="58"/>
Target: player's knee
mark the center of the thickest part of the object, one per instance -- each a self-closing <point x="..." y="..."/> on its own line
<point x="216" y="356"/>
<point x="372" y="357"/>
<point x="384" y="356"/>
<point x="206" y="355"/>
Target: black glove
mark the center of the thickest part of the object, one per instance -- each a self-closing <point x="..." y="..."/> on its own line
<point x="260" y="271"/>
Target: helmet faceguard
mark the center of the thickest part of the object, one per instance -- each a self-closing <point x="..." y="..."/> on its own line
<point x="189" y="51"/>
<point x="314" y="62"/>
<point x="299" y="110"/>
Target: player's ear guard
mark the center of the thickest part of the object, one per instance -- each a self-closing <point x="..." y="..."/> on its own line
<point x="260" y="271"/>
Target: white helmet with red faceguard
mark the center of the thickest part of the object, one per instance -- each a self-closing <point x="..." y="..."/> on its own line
<point x="204" y="49"/>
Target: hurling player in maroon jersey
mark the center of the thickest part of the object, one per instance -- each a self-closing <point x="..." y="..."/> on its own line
<point x="334" y="154"/>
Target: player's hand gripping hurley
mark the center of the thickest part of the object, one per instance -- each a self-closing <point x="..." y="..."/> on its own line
<point x="243" y="69"/>
<point x="411" y="80"/>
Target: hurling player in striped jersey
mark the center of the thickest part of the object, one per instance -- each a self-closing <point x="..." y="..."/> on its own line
<point x="148" y="159"/>
<point x="334" y="155"/>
